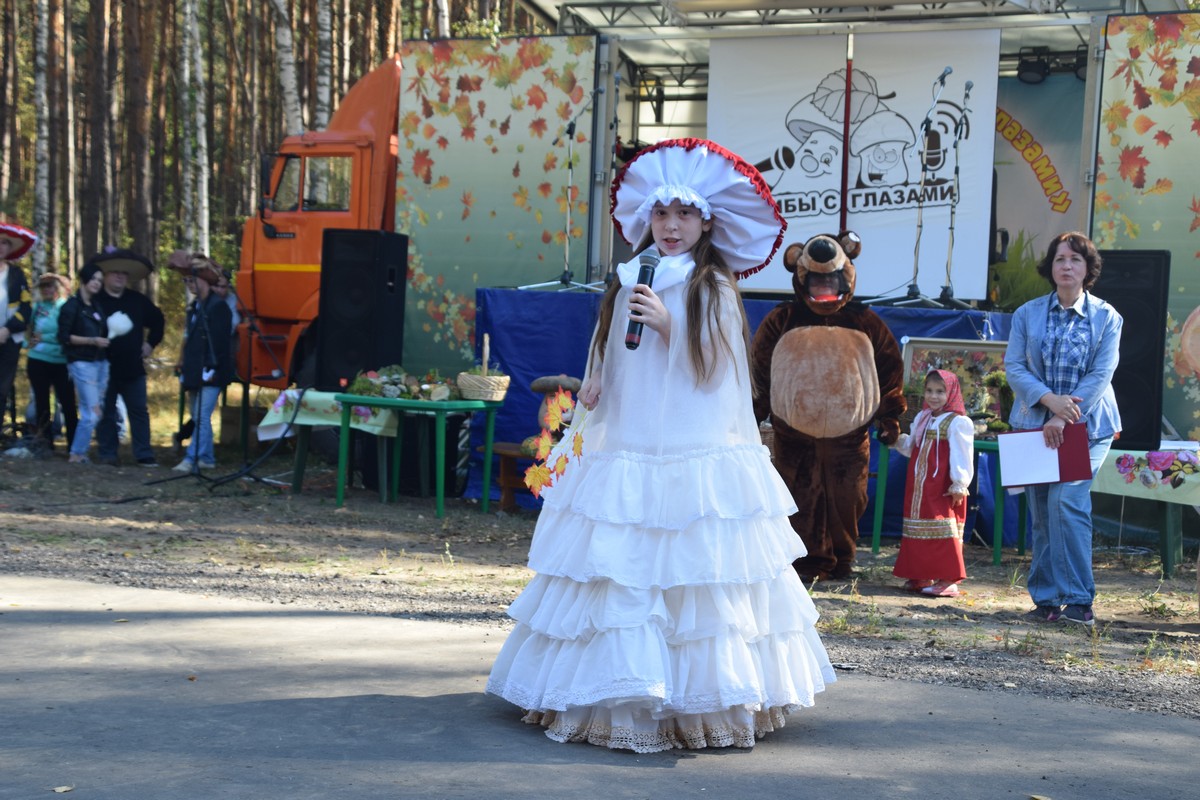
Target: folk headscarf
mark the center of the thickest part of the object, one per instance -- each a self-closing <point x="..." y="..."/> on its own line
<point x="954" y="404"/>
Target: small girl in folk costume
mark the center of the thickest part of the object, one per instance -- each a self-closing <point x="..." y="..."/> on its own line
<point x="941" y="464"/>
<point x="665" y="611"/>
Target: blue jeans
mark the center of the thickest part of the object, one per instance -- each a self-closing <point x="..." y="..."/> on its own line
<point x="91" y="379"/>
<point x="201" y="448"/>
<point x="133" y="392"/>
<point x="1060" y="570"/>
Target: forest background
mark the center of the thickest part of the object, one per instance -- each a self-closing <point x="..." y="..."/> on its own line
<point x="141" y="123"/>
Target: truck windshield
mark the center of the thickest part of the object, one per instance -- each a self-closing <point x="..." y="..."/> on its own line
<point x="326" y="184"/>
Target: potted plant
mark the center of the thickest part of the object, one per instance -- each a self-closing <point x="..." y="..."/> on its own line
<point x="996" y="382"/>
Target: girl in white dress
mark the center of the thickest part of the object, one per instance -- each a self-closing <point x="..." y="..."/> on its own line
<point x="665" y="611"/>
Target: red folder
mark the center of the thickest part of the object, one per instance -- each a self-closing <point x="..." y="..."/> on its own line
<point x="1026" y="461"/>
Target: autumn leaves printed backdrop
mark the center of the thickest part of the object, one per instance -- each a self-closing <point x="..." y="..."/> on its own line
<point x="1146" y="196"/>
<point x="482" y="181"/>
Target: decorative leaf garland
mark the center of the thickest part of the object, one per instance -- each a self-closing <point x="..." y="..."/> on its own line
<point x="553" y="455"/>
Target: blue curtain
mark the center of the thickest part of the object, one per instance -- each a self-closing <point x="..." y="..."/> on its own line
<point x="539" y="333"/>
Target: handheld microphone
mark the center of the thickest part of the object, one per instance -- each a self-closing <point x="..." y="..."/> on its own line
<point x="647" y="261"/>
<point x="942" y="78"/>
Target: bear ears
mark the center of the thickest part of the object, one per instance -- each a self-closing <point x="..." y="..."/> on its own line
<point x="824" y="248"/>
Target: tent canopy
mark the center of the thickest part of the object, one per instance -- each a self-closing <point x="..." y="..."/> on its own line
<point x="664" y="43"/>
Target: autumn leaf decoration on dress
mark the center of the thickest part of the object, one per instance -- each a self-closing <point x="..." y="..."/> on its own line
<point x="553" y="451"/>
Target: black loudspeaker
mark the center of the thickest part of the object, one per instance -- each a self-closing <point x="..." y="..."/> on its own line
<point x="360" y="322"/>
<point x="1135" y="282"/>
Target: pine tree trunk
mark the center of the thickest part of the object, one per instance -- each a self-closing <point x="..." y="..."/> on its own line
<point x="9" y="74"/>
<point x="138" y="62"/>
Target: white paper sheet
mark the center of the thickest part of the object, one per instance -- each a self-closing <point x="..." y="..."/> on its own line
<point x="1026" y="460"/>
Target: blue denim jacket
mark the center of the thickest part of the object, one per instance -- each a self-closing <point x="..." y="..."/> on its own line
<point x="1026" y="371"/>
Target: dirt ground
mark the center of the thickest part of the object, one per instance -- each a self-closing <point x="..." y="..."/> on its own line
<point x="252" y="536"/>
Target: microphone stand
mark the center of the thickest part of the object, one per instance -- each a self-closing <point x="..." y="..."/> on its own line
<point x="566" y="280"/>
<point x="248" y="466"/>
<point x="611" y="273"/>
<point x="914" y="296"/>
<point x="947" y="295"/>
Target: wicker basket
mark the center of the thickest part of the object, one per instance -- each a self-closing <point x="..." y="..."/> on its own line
<point x="483" y="387"/>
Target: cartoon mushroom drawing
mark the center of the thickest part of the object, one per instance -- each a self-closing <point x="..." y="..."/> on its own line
<point x="880" y="142"/>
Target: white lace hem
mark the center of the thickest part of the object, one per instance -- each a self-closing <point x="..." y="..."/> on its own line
<point x="734" y="727"/>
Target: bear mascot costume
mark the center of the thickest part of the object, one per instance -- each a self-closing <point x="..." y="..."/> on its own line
<point x="826" y="369"/>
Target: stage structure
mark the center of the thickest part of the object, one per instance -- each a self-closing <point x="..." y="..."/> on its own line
<point x="841" y="136"/>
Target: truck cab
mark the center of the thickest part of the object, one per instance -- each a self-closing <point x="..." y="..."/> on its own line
<point x="341" y="177"/>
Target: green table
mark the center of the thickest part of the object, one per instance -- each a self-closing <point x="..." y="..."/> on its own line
<point x="981" y="446"/>
<point x="437" y="408"/>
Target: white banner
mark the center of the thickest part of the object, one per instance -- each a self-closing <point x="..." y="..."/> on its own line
<point x="780" y="104"/>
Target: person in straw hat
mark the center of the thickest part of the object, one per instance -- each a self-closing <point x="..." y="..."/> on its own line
<point x="665" y="612"/>
<point x="207" y="363"/>
<point x="46" y="364"/>
<point x="15" y="241"/>
<point x="127" y="355"/>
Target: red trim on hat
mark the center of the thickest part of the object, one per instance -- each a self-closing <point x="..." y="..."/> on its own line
<point x="18" y="232"/>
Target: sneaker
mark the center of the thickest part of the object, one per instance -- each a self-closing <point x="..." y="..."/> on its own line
<point x="208" y="464"/>
<point x="1080" y="615"/>
<point x="183" y="466"/>
<point x="149" y="463"/>
<point x="1044" y="614"/>
<point x="108" y="461"/>
<point x="74" y="459"/>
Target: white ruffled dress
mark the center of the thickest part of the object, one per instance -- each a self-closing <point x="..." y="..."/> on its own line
<point x="665" y="611"/>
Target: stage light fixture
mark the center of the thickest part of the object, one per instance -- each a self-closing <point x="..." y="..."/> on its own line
<point x="1033" y="65"/>
<point x="1081" y="62"/>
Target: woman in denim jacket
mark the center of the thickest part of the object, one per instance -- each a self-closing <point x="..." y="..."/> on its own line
<point x="1062" y="352"/>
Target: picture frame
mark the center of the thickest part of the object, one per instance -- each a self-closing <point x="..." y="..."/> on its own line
<point x="970" y="360"/>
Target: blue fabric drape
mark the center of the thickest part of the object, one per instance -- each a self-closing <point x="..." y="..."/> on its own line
<point x="535" y="333"/>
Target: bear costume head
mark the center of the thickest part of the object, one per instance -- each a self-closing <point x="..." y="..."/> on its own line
<point x="822" y="270"/>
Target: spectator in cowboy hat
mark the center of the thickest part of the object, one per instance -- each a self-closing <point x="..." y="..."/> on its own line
<point x="126" y="356"/>
<point x="46" y="364"/>
<point x="15" y="241"/>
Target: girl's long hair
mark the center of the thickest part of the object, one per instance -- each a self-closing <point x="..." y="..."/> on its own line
<point x="702" y="302"/>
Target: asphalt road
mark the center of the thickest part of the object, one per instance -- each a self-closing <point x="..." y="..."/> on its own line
<point x="135" y="694"/>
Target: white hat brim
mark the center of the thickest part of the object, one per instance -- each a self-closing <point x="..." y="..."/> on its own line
<point x="747" y="226"/>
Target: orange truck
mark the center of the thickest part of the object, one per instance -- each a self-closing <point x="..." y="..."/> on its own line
<point x="341" y="177"/>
